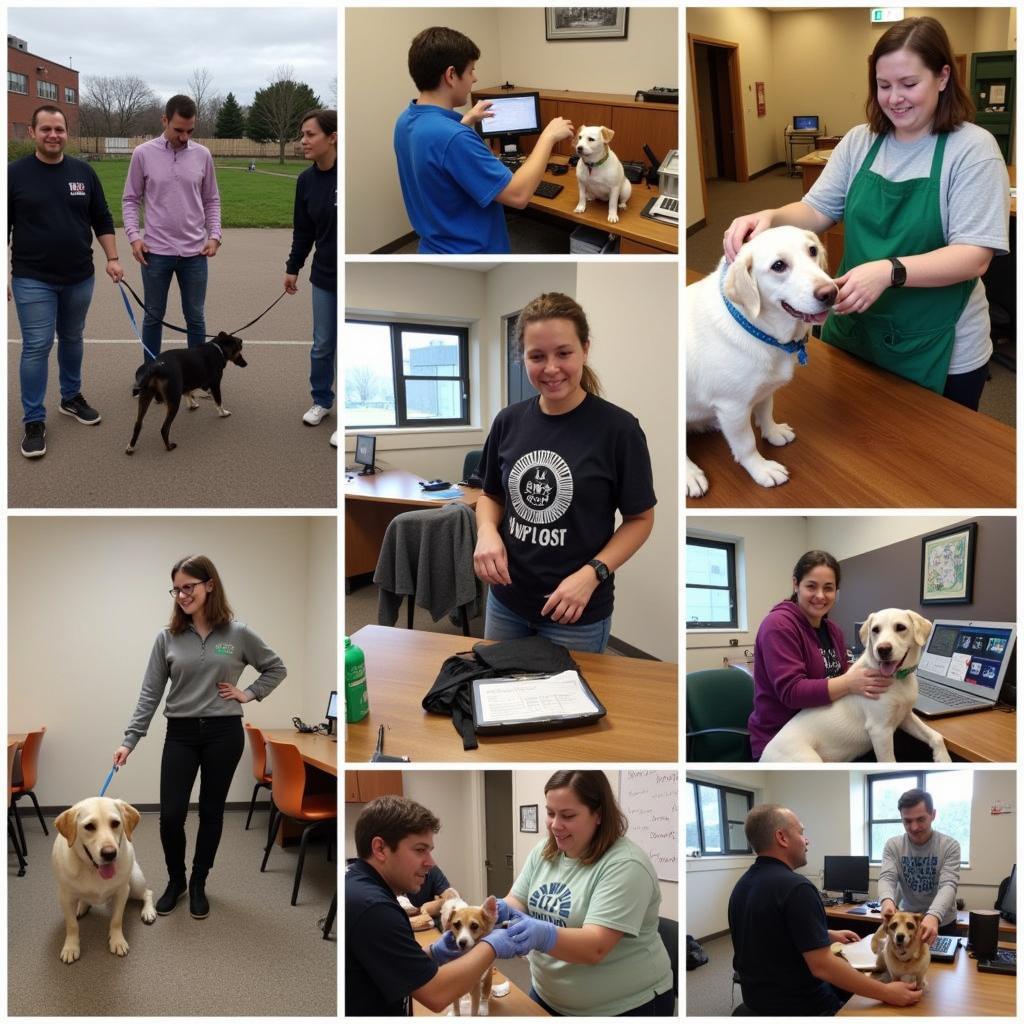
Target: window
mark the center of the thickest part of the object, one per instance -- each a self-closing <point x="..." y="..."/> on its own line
<point x="711" y="599"/>
<point x="951" y="794"/>
<point x="714" y="819"/>
<point x="70" y="95"/>
<point x="405" y="375"/>
<point x="17" y="83"/>
<point x="46" y="90"/>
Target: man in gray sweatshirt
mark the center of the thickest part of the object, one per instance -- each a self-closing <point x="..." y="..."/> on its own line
<point x="921" y="870"/>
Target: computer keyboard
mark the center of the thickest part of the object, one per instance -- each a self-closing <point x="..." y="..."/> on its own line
<point x="944" y="695"/>
<point x="1004" y="962"/>
<point x="944" y="948"/>
<point x="547" y="190"/>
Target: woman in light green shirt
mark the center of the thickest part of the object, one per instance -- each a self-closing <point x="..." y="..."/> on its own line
<point x="588" y="897"/>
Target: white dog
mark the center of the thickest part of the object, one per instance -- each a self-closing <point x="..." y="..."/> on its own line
<point x="599" y="173"/>
<point x="778" y="284"/>
<point x="851" y="726"/>
<point x="94" y="862"/>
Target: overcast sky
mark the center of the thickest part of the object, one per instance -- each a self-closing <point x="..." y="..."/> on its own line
<point x="242" y="47"/>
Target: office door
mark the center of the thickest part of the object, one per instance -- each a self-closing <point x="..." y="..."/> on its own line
<point x="519" y="386"/>
<point x="498" y="827"/>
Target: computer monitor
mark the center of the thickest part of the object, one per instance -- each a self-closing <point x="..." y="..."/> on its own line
<point x="848" y="875"/>
<point x="366" y="453"/>
<point x="969" y="656"/>
<point x="806" y="122"/>
<point x="1008" y="904"/>
<point x="332" y="710"/>
<point x="514" y="116"/>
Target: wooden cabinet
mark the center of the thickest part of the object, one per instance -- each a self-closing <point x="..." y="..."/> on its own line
<point x="364" y="786"/>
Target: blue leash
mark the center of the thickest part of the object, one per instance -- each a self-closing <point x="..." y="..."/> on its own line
<point x="138" y="334"/>
<point x="110" y="775"/>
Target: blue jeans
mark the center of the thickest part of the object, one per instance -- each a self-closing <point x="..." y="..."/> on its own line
<point x="45" y="310"/>
<point x="324" y="356"/>
<point x="156" y="282"/>
<point x="501" y="623"/>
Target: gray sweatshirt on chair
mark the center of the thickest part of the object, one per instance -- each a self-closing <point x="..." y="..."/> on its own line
<point x="921" y="879"/>
<point x="194" y="667"/>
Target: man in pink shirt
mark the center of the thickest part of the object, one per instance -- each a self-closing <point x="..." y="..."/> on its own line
<point x="174" y="179"/>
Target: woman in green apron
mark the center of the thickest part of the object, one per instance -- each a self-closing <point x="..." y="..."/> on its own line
<point x="924" y="198"/>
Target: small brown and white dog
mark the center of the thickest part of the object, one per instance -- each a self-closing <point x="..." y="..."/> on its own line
<point x="599" y="173"/>
<point x="468" y="926"/>
<point x="901" y="953"/>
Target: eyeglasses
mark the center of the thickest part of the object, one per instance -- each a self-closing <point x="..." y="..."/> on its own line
<point x="186" y="589"/>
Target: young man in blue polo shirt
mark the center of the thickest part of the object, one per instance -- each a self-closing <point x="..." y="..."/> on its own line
<point x="454" y="187"/>
<point x="384" y="964"/>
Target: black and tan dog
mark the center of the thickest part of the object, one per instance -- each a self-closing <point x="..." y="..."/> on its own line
<point x="181" y="371"/>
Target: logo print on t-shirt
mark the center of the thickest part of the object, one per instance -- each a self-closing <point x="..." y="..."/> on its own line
<point x="541" y="487"/>
<point x="552" y="902"/>
<point x="76" y="188"/>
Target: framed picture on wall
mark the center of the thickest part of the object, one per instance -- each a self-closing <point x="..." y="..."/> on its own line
<point x="947" y="565"/>
<point x="585" y="23"/>
<point x="528" y="820"/>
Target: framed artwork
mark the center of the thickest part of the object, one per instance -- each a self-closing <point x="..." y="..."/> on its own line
<point x="759" y="93"/>
<point x="947" y="565"/>
<point x="585" y="23"/>
<point x="528" y="820"/>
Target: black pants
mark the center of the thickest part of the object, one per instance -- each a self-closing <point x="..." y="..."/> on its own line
<point x="966" y="388"/>
<point x="659" y="1006"/>
<point x="211" y="747"/>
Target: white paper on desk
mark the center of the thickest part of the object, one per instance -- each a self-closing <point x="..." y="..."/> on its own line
<point x="519" y="700"/>
<point x="859" y="954"/>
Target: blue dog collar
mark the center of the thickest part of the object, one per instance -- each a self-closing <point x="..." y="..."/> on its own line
<point x="799" y="348"/>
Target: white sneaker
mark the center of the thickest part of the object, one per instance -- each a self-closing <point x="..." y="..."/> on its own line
<point x="334" y="440"/>
<point x="314" y="415"/>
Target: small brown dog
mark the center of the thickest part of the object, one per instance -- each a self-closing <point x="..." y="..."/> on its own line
<point x="469" y="925"/>
<point x="901" y="953"/>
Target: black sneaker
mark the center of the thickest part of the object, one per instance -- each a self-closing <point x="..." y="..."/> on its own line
<point x="33" y="444"/>
<point x="176" y="888"/>
<point x="198" y="904"/>
<point x="80" y="409"/>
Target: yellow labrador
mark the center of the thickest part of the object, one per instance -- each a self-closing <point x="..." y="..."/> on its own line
<point x="775" y="289"/>
<point x="94" y="862"/>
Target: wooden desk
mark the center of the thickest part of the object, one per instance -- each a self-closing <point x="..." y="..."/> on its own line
<point x="401" y="664"/>
<point x="866" y="438"/>
<point x="979" y="736"/>
<point x="958" y="989"/>
<point x="371" y="502"/>
<point x="841" y="915"/>
<point x="316" y="749"/>
<point x="516" y="1004"/>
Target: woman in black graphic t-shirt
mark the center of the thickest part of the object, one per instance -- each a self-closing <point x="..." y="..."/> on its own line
<point x="555" y="470"/>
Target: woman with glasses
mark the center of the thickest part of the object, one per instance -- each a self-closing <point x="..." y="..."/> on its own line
<point x="203" y="652"/>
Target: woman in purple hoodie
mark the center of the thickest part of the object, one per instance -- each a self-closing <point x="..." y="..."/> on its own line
<point x="800" y="654"/>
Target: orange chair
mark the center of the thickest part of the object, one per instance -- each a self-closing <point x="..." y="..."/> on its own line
<point x="25" y="784"/>
<point x="259" y="767"/>
<point x="12" y="750"/>
<point x="314" y="810"/>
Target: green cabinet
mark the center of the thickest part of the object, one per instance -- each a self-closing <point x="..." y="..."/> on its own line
<point x="993" y="89"/>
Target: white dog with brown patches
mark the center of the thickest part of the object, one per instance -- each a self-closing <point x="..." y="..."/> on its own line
<point x="94" y="862"/>
<point x="747" y="325"/>
<point x="851" y="726"/>
<point x="599" y="173"/>
<point x="468" y="926"/>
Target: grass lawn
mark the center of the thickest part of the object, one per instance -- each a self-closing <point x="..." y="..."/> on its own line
<point x="246" y="200"/>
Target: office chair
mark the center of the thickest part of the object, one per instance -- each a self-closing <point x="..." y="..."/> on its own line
<point x="1001" y="291"/>
<point x="12" y="835"/>
<point x="314" y="810"/>
<point x="24" y="783"/>
<point x="259" y="767"/>
<point x="471" y="463"/>
<point x="718" y="703"/>
<point x="669" y="932"/>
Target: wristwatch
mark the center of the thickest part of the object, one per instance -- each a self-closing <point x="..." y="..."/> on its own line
<point x="600" y="568"/>
<point x="899" y="273"/>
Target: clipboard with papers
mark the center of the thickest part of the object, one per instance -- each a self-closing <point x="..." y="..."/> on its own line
<point x="532" y="703"/>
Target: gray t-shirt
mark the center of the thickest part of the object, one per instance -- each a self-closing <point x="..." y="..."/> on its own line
<point x="974" y="203"/>
<point x="921" y="879"/>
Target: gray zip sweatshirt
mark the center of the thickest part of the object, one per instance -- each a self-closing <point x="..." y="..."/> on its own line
<point x="194" y="668"/>
<point x="921" y="879"/>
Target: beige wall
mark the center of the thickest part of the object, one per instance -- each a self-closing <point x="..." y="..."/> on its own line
<point x="88" y="595"/>
<point x="832" y="805"/>
<point x="512" y="48"/>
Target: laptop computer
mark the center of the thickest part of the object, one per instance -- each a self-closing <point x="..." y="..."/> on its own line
<point x="963" y="666"/>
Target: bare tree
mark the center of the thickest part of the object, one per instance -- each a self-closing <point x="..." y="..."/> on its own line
<point x="116" y="106"/>
<point x="276" y="109"/>
<point x="208" y="102"/>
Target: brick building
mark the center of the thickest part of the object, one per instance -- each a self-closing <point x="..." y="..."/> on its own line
<point x="33" y="81"/>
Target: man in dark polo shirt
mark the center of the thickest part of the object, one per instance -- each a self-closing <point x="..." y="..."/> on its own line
<point x="384" y="964"/>
<point x="779" y="934"/>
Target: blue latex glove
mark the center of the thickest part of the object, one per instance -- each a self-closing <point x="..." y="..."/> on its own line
<point x="444" y="950"/>
<point x="504" y="946"/>
<point x="531" y="933"/>
<point x="505" y="911"/>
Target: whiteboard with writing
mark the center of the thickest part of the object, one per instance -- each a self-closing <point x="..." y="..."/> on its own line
<point x="650" y="800"/>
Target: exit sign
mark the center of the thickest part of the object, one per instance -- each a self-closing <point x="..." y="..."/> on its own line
<point x="883" y="14"/>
